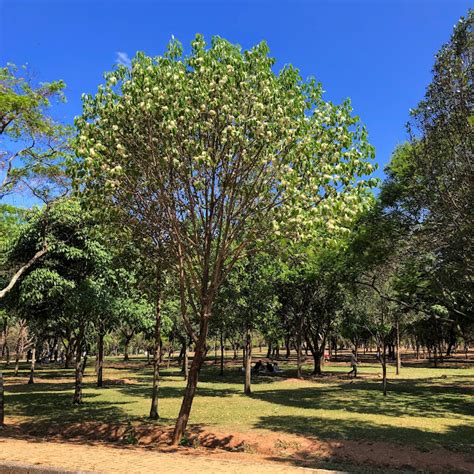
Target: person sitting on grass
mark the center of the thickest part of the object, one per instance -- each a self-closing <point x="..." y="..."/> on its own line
<point x="270" y="368"/>
<point x="353" y="364"/>
<point x="276" y="367"/>
<point x="257" y="367"/>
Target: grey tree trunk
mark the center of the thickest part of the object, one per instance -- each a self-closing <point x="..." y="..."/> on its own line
<point x="32" y="368"/>
<point x="2" y="400"/>
<point x="100" y="358"/>
<point x="80" y="368"/>
<point x="248" y="363"/>
<point x="222" y="354"/>
<point x="299" y="349"/>
<point x="185" y="362"/>
<point x="384" y="369"/>
<point x="399" y="360"/>
<point x="156" y="354"/>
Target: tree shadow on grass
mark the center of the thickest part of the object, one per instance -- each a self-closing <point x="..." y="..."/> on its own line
<point x="52" y="405"/>
<point x="144" y="391"/>
<point x="405" y="398"/>
<point x="457" y="438"/>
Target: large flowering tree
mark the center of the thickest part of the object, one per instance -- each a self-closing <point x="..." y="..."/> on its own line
<point x="218" y="154"/>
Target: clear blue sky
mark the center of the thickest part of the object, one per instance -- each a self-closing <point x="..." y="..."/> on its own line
<point x="378" y="53"/>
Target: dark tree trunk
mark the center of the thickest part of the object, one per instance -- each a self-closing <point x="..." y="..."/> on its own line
<point x="32" y="367"/>
<point x="3" y="338"/>
<point x="69" y="356"/>
<point x="222" y="354"/>
<point x="185" y="367"/>
<point x="397" y="340"/>
<point x="287" y="347"/>
<point x="317" y="358"/>
<point x="317" y="351"/>
<point x="100" y="357"/>
<point x="20" y="344"/>
<point x="192" y="379"/>
<point x="452" y="339"/>
<point x="181" y="355"/>
<point x="80" y="366"/>
<point x="126" y="350"/>
<point x="384" y="369"/>
<point x="17" y="362"/>
<point x="162" y="351"/>
<point x="299" y="349"/>
<point x="2" y="400"/>
<point x="156" y="353"/>
<point x="248" y="363"/>
<point x="269" y="352"/>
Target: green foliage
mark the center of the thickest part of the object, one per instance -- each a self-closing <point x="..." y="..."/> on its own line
<point x="217" y="140"/>
<point x="36" y="146"/>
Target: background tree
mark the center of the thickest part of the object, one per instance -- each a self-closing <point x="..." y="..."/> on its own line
<point x="34" y="146"/>
<point x="247" y="299"/>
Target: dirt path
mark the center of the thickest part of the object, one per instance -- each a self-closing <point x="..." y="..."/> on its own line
<point x="88" y="458"/>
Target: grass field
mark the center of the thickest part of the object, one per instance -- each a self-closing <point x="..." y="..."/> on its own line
<point x="425" y="407"/>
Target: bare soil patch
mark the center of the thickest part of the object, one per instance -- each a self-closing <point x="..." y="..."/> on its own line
<point x="253" y="446"/>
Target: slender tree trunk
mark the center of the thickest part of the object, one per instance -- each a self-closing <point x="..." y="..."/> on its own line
<point x="317" y="362"/>
<point x="3" y="338"/>
<point x="2" y="400"/>
<point x="287" y="347"/>
<point x="185" y="362"/>
<point x="17" y="363"/>
<point x="80" y="367"/>
<point x="19" y="346"/>
<point x="181" y="356"/>
<point x="399" y="359"/>
<point x="222" y="354"/>
<point x="299" y="349"/>
<point x="192" y="380"/>
<point x="32" y="368"/>
<point x="248" y="362"/>
<point x="384" y="369"/>
<point x="269" y="352"/>
<point x="100" y="358"/>
<point x="14" y="279"/>
<point x="157" y="352"/>
<point x="162" y="351"/>
<point x="126" y="350"/>
<point x="69" y="356"/>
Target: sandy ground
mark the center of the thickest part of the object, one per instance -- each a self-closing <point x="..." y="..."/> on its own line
<point x="86" y="458"/>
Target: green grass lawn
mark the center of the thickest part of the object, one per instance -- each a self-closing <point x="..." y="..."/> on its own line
<point x="425" y="407"/>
